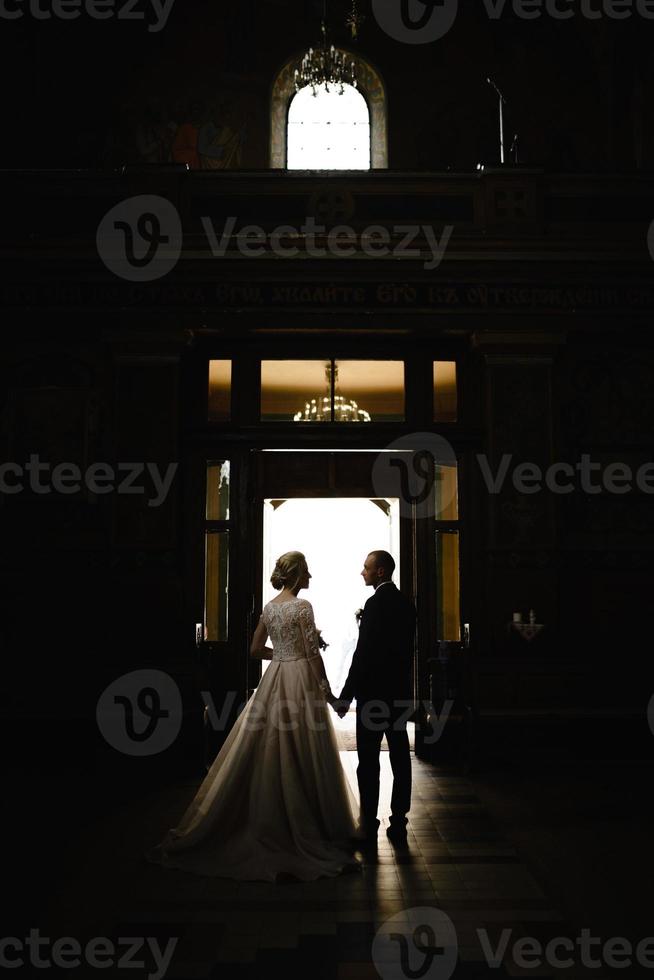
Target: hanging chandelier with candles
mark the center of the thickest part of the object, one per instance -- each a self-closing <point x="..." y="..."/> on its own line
<point x="325" y="66"/>
<point x="319" y="409"/>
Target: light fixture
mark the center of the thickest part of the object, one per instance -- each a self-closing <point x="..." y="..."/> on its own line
<point x="355" y="20"/>
<point x="319" y="409"/>
<point x="325" y="66"/>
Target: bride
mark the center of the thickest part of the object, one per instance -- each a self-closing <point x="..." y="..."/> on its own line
<point x="275" y="800"/>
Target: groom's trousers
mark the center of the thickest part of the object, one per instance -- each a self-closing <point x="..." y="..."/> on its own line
<point x="373" y="722"/>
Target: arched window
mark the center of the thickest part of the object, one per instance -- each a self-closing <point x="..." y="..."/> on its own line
<point x="303" y="127"/>
<point x="328" y="130"/>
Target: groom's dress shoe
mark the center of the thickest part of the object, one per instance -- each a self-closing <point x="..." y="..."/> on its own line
<point x="397" y="836"/>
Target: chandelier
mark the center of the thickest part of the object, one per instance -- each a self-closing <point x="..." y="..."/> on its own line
<point x="319" y="409"/>
<point x="325" y="66"/>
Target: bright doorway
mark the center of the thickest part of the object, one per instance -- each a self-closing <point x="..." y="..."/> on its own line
<point x="335" y="535"/>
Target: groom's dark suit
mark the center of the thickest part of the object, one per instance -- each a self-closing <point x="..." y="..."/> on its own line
<point x="379" y="679"/>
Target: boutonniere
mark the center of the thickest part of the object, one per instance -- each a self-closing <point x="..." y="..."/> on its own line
<point x="358" y="614"/>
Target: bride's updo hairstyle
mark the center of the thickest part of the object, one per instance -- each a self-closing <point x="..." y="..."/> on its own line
<point x="288" y="570"/>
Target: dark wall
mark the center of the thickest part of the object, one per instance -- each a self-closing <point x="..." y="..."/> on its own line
<point x="579" y="91"/>
<point x="91" y="583"/>
<point x="94" y="585"/>
<point x="605" y="408"/>
<point x="582" y="560"/>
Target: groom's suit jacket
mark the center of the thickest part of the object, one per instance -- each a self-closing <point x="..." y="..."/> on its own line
<point x="381" y="664"/>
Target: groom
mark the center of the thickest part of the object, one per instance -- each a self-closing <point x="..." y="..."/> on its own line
<point x="380" y="680"/>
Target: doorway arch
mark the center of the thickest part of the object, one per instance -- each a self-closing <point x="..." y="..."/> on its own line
<point x="370" y="85"/>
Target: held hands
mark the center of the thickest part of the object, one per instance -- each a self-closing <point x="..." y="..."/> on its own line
<point x="340" y="707"/>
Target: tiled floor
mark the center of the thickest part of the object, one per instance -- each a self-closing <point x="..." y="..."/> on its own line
<point x="458" y="877"/>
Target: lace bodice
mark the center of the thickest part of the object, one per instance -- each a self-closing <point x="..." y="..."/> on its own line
<point x="292" y="629"/>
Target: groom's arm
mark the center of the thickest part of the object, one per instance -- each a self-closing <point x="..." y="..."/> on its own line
<point x="361" y="658"/>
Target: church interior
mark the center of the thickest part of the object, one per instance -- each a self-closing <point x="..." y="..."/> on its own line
<point x="330" y="277"/>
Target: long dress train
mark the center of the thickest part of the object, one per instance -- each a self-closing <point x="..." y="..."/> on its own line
<point x="276" y="799"/>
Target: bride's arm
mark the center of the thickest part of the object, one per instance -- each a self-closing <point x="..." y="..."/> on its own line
<point x="318" y="668"/>
<point x="258" y="648"/>
<point x="312" y="647"/>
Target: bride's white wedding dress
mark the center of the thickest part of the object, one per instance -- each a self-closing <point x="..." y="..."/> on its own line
<point x="276" y="798"/>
